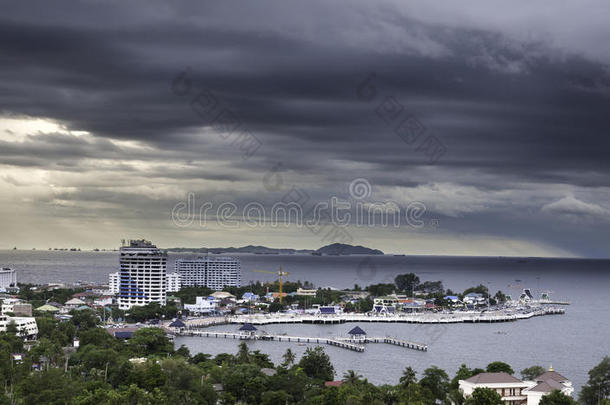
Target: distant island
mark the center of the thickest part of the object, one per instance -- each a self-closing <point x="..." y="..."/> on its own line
<point x="334" y="249"/>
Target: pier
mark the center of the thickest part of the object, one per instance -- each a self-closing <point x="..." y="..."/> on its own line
<point x="276" y="338"/>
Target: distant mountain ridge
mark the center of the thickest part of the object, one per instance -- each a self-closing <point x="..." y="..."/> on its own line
<point x="332" y="249"/>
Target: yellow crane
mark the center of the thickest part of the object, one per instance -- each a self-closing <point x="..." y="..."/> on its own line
<point x="279" y="273"/>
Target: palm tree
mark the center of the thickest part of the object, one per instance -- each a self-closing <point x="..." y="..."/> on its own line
<point x="408" y="377"/>
<point x="289" y="358"/>
<point x="351" y="377"/>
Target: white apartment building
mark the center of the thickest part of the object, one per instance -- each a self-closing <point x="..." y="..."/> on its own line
<point x="174" y="282"/>
<point x="142" y="275"/>
<point x="8" y="278"/>
<point x="114" y="283"/>
<point x="26" y="326"/>
<point x="214" y="272"/>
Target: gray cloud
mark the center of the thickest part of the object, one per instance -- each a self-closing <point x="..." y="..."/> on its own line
<point x="520" y="107"/>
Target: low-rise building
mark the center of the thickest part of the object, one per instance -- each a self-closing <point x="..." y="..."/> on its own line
<point x="547" y="383"/>
<point x="509" y="387"/>
<point x="474" y="298"/>
<point x="202" y="305"/>
<point x="516" y="392"/>
<point x="308" y="293"/>
<point x="26" y="326"/>
<point x="386" y="300"/>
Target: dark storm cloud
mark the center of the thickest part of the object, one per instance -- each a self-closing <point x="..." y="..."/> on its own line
<point x="519" y="111"/>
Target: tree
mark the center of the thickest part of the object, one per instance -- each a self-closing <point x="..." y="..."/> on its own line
<point x="463" y="373"/>
<point x="484" y="396"/>
<point x="243" y="354"/>
<point x="316" y="364"/>
<point x="436" y="381"/>
<point x="557" y="398"/>
<point x="408" y="377"/>
<point x="288" y="358"/>
<point x="406" y="282"/>
<point x="351" y="377"/>
<point x="532" y="372"/>
<point x="274" y="397"/>
<point x="499" y="367"/>
<point x="148" y="341"/>
<point x="598" y="386"/>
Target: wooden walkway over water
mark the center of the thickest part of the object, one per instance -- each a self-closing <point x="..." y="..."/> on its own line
<point x="275" y="338"/>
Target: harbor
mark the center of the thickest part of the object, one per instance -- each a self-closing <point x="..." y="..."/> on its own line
<point x="417" y="318"/>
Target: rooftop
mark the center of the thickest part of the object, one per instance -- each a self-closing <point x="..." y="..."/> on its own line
<point x="547" y="386"/>
<point x="551" y="375"/>
<point x="493" y="378"/>
<point x="356" y="331"/>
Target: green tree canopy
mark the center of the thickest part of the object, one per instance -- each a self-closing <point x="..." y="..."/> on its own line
<point x="598" y="386"/>
<point x="316" y="364"/>
<point x="484" y="396"/>
<point x="557" y="398"/>
<point x="406" y="282"/>
<point x="498" y="367"/>
<point x="532" y="372"/>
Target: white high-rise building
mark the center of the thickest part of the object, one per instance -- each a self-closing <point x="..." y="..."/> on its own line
<point x="173" y="282"/>
<point x="114" y="283"/>
<point x="143" y="274"/>
<point x="8" y="278"/>
<point x="214" y="272"/>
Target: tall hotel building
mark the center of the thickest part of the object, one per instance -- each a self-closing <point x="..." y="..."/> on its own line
<point x="214" y="272"/>
<point x="142" y="275"/>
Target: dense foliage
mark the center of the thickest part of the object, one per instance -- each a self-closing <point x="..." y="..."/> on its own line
<point x="146" y="369"/>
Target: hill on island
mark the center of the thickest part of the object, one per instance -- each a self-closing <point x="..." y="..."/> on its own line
<point x="332" y="249"/>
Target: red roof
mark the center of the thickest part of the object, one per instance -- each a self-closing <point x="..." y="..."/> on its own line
<point x="333" y="383"/>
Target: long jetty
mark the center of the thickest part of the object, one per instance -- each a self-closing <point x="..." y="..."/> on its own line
<point x="277" y="338"/>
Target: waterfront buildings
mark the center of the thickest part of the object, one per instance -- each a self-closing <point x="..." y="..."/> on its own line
<point x="174" y="282"/>
<point x="8" y="278"/>
<point x="516" y="392"/>
<point x="214" y="272"/>
<point x="143" y="271"/>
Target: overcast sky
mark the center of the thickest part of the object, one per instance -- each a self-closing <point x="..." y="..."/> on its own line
<point x="104" y="130"/>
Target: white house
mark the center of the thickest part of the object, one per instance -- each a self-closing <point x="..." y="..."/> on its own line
<point x="202" y="305"/>
<point x="516" y="392"/>
<point x="510" y="388"/>
<point x="474" y="298"/>
<point x="547" y="383"/>
<point x="75" y="303"/>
